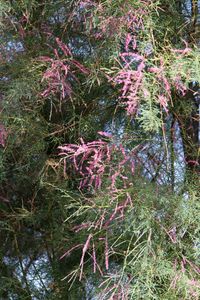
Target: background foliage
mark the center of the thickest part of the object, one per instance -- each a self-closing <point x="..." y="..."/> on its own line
<point x="99" y="158"/>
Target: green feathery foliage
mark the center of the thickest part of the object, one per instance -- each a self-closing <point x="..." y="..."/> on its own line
<point x="99" y="158"/>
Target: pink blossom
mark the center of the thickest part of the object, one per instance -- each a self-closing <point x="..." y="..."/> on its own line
<point x="94" y="259"/>
<point x="64" y="47"/>
<point x="84" y="250"/>
<point x="106" y="134"/>
<point x="155" y="70"/>
<point x="93" y="160"/>
<point x="61" y="71"/>
<point x="163" y="102"/>
<point x="86" y="3"/>
<point x="106" y="254"/>
<point x="3" y="135"/>
<point x="128" y="41"/>
<point x="183" y="52"/>
<point x="180" y="86"/>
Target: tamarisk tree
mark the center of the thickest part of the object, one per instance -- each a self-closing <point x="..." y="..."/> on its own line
<point x="99" y="158"/>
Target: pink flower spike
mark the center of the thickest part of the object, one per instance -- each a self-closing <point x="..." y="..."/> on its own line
<point x="94" y="259"/>
<point x="106" y="254"/>
<point x="127" y="42"/>
<point x="163" y="102"/>
<point x="106" y="134"/>
<point x="63" y="47"/>
<point x="3" y="135"/>
<point x="85" y="248"/>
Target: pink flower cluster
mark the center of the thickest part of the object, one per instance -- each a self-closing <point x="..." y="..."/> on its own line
<point x="130" y="77"/>
<point x="134" y="68"/>
<point x="131" y="80"/>
<point x="95" y="159"/>
<point x="61" y="73"/>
